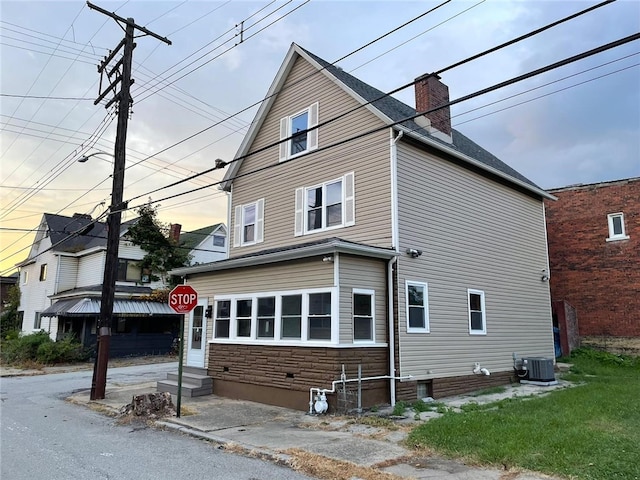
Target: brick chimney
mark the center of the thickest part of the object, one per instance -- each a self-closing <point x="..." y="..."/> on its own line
<point x="174" y="232"/>
<point x="431" y="93"/>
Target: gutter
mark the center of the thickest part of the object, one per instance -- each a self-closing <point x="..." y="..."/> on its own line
<point x="335" y="246"/>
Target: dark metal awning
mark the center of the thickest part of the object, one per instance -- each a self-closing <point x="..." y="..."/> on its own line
<point x="86" y="306"/>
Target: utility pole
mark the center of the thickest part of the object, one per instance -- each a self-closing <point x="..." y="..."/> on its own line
<point x="122" y="71"/>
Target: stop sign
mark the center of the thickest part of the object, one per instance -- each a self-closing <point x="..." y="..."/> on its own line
<point x="183" y="299"/>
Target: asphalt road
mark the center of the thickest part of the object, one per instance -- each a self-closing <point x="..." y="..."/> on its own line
<point x="44" y="437"/>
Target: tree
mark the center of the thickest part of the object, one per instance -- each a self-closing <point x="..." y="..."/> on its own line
<point x="163" y="252"/>
<point x="10" y="320"/>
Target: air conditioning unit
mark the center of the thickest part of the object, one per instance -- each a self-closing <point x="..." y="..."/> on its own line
<point x="539" y="369"/>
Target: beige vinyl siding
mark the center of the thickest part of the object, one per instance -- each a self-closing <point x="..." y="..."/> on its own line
<point x="367" y="157"/>
<point x="479" y="234"/>
<point x="364" y="273"/>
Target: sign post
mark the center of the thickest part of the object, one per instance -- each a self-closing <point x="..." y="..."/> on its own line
<point x="182" y="299"/>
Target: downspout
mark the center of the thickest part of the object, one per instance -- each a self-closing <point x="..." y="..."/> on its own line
<point x="392" y="337"/>
<point x="392" y="262"/>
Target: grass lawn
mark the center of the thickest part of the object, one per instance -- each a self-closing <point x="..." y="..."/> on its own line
<point x="591" y="431"/>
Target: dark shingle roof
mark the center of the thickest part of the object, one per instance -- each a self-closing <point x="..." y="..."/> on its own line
<point x="397" y="111"/>
<point x="62" y="228"/>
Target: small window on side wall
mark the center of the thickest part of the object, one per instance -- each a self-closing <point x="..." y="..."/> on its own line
<point x="43" y="272"/>
<point x="363" y="319"/>
<point x="249" y="224"/>
<point x="417" y="307"/>
<point x="477" y="317"/>
<point x="295" y="128"/>
<point x="616" y="227"/>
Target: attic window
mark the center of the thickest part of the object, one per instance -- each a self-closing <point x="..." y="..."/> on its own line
<point x="218" y="240"/>
<point x="295" y="128"/>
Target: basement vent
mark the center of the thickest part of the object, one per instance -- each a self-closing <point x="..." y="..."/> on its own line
<point x="540" y="369"/>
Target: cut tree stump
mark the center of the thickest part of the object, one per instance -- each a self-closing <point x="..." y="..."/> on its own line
<point x="152" y="405"/>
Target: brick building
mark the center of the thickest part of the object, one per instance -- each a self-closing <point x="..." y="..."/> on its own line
<point x="594" y="255"/>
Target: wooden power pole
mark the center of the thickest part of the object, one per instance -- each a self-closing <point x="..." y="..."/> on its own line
<point x="122" y="72"/>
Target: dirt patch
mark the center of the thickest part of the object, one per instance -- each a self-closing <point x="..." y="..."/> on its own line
<point x="322" y="467"/>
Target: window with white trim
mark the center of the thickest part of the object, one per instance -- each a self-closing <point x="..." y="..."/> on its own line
<point x="325" y="206"/>
<point x="37" y="321"/>
<point x="616" y="227"/>
<point x="291" y="317"/>
<point x="266" y="317"/>
<point x="223" y="318"/>
<point x="320" y="316"/>
<point x="417" y="307"/>
<point x="218" y="240"/>
<point x="25" y="277"/>
<point x="249" y="224"/>
<point x="299" y="316"/>
<point x="363" y="315"/>
<point x="477" y="313"/>
<point x="243" y="317"/>
<point x="297" y="127"/>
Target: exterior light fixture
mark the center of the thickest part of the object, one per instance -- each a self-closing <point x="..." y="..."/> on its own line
<point x="545" y="275"/>
<point x="413" y="252"/>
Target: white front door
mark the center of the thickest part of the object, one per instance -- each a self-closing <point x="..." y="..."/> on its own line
<point x="197" y="336"/>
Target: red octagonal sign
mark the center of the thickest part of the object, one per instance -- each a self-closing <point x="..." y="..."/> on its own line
<point x="183" y="299"/>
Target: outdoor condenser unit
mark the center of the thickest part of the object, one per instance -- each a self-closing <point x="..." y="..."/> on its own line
<point x="540" y="369"/>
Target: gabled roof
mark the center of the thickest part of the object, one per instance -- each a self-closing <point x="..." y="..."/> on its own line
<point x="192" y="239"/>
<point x="390" y="111"/>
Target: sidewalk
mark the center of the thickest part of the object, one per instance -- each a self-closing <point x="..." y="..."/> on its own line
<point x="321" y="446"/>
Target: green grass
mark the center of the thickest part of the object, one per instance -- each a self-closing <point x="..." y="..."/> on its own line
<point x="591" y="431"/>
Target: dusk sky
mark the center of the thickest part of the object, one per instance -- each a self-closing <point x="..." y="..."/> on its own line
<point x="576" y="124"/>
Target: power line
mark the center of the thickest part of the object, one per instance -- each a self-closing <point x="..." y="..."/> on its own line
<point x="42" y="97"/>
<point x="484" y="91"/>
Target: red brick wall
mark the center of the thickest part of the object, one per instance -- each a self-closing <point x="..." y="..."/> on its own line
<point x="600" y="279"/>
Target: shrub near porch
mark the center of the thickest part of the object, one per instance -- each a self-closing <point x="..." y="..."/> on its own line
<point x="591" y="431"/>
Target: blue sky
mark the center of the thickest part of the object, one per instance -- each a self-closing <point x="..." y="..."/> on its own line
<point x="576" y="124"/>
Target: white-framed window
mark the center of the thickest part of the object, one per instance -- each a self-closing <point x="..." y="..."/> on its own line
<point x="616" y="227"/>
<point x="43" y="272"/>
<point x="292" y="316"/>
<point x="25" y="277"/>
<point x="244" y="317"/>
<point x="218" y="240"/>
<point x="266" y="317"/>
<point x="249" y="224"/>
<point x="363" y="315"/>
<point x="319" y="316"/>
<point x="295" y="128"/>
<point x="325" y="206"/>
<point x="37" y="321"/>
<point x="223" y="319"/>
<point x="417" y="307"/>
<point x="477" y="312"/>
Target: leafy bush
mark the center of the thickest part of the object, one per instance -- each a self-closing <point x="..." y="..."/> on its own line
<point x="399" y="408"/>
<point x="40" y="348"/>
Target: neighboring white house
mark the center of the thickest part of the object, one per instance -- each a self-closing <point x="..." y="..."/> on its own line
<point x="61" y="284"/>
<point x="207" y="244"/>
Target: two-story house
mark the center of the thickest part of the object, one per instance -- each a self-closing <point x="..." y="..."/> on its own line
<point x="594" y="254"/>
<point x="61" y="286"/>
<point x="361" y="238"/>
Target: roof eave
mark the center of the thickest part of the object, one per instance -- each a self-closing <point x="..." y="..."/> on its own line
<point x="335" y="246"/>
